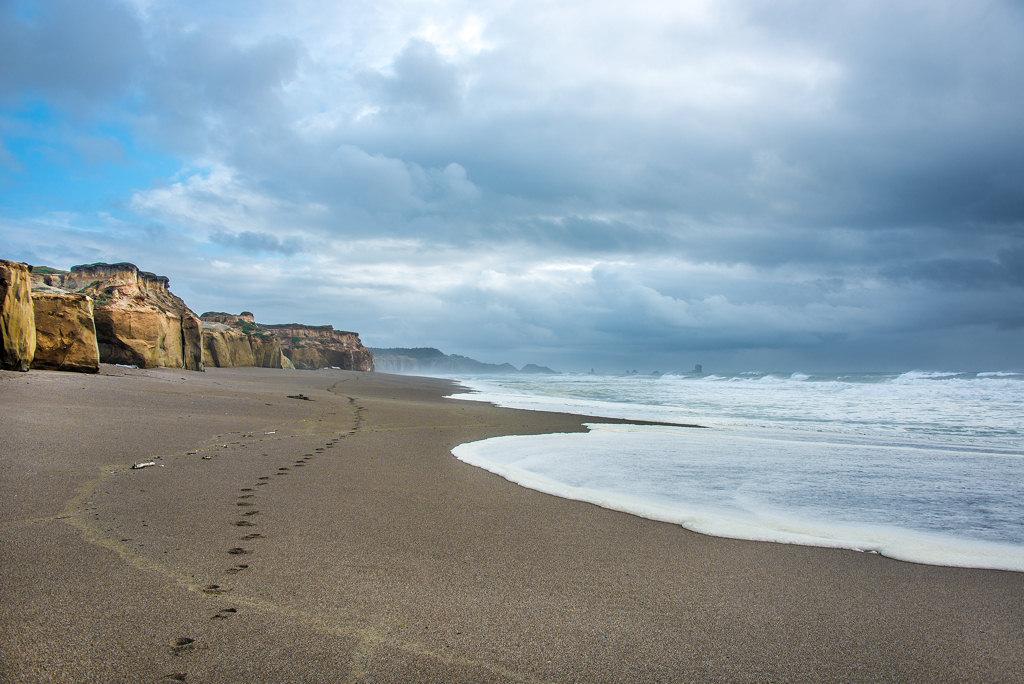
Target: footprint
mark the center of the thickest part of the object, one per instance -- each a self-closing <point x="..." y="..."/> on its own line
<point x="260" y="484"/>
<point x="245" y="503"/>
<point x="254" y="535"/>
<point x="235" y="569"/>
<point x="174" y="677"/>
<point x="214" y="589"/>
<point x="182" y="644"/>
<point x="283" y="468"/>
<point x="225" y="614"/>
<point x="238" y="551"/>
<point x="256" y="512"/>
<point x="246" y="496"/>
<point x="245" y="523"/>
<point x="263" y="478"/>
<point x="299" y="465"/>
<point x="245" y="489"/>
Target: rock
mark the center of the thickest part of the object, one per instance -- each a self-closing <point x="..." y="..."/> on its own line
<point x="138" y="320"/>
<point x="321" y="346"/>
<point x="17" y="321"/>
<point x="65" y="332"/>
<point x="230" y="340"/>
<point x="225" y="347"/>
<point x="538" y="370"/>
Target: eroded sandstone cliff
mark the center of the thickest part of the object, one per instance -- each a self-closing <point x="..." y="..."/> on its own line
<point x="116" y="313"/>
<point x="139" y="321"/>
<point x="236" y="340"/>
<point x="65" y="331"/>
<point x="321" y="346"/>
<point x="17" y="321"/>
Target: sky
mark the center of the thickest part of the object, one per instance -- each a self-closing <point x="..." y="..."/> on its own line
<point x="755" y="185"/>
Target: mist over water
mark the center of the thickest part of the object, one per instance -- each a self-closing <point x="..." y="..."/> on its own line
<point x="923" y="466"/>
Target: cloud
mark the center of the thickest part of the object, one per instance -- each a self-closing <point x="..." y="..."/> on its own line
<point x="75" y="53"/>
<point x="419" y="76"/>
<point x="254" y="241"/>
<point x="582" y="180"/>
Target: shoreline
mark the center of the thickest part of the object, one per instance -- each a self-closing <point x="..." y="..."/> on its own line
<point x="382" y="556"/>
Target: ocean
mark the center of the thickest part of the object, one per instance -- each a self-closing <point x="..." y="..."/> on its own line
<point x="921" y="466"/>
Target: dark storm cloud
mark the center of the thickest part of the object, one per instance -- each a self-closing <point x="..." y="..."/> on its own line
<point x="653" y="177"/>
<point x="1007" y="270"/>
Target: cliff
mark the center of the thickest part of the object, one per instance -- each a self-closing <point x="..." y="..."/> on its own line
<point x="116" y="313"/>
<point x="65" y="331"/>
<point x="321" y="346"/>
<point x="431" y="360"/>
<point x="230" y="340"/>
<point x="17" y="321"/>
<point x="138" y="320"/>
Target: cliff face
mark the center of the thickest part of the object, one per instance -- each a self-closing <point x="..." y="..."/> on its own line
<point x="65" y="332"/>
<point x="17" y="321"/>
<point x="321" y="346"/>
<point x="230" y="341"/>
<point x="116" y="313"/>
<point x="138" y="320"/>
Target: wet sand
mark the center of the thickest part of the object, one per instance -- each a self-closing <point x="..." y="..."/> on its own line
<point x="337" y="539"/>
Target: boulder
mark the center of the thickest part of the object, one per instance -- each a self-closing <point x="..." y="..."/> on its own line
<point x="65" y="332"/>
<point x="17" y="321"/>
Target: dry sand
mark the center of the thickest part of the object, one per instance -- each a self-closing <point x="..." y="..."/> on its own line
<point x="380" y="557"/>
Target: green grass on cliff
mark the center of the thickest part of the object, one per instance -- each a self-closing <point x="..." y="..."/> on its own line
<point x="46" y="270"/>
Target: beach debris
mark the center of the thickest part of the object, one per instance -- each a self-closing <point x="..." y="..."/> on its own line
<point x="182" y="644"/>
<point x="272" y="432"/>
<point x="303" y="397"/>
<point x="143" y="464"/>
<point x="207" y="457"/>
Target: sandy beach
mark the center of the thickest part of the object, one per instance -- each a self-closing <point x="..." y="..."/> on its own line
<point x="337" y="539"/>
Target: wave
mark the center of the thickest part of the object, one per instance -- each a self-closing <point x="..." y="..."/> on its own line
<point x="907" y="377"/>
<point x="759" y="490"/>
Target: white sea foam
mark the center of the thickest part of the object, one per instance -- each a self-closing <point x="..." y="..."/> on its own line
<point x="921" y="466"/>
